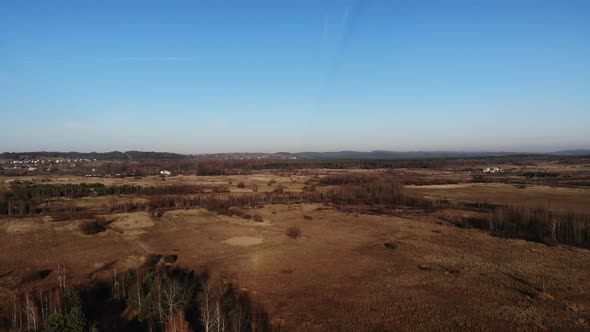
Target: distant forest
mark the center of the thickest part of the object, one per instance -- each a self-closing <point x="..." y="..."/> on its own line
<point x="114" y="155"/>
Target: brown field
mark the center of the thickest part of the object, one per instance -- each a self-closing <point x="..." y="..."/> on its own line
<point x="407" y="269"/>
<point x="564" y="199"/>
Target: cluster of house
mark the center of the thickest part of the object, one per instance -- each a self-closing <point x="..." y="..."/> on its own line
<point x="118" y="175"/>
<point x="492" y="170"/>
<point x="246" y="156"/>
<point x="29" y="165"/>
<point x="33" y="165"/>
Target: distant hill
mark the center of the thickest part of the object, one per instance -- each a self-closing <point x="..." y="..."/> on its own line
<point x="578" y="152"/>
<point x="143" y="155"/>
<point x="379" y="154"/>
<point x="114" y="155"/>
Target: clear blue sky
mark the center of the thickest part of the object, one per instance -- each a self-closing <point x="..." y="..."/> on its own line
<point x="277" y="75"/>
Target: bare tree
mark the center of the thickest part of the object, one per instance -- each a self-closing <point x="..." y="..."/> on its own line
<point x="31" y="313"/>
<point x="17" y="318"/>
<point x="61" y="276"/>
<point x="173" y="297"/>
<point x="206" y="307"/>
<point x="44" y="306"/>
<point x="139" y="288"/>
<point x="116" y="285"/>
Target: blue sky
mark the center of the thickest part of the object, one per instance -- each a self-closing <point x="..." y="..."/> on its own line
<point x="222" y="76"/>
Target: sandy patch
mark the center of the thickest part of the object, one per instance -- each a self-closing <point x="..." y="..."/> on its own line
<point x="441" y="186"/>
<point x="132" y="224"/>
<point x="243" y="241"/>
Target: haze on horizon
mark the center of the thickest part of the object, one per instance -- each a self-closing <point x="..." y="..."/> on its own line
<point x="268" y="76"/>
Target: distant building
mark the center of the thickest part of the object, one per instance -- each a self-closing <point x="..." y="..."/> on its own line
<point x="492" y="170"/>
<point x="165" y="173"/>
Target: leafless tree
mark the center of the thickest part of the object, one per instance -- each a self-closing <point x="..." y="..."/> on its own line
<point x="116" y="285"/>
<point x="61" y="276"/>
<point x="44" y="305"/>
<point x="219" y="319"/>
<point x="31" y="313"/>
<point x="17" y="318"/>
<point x="207" y="307"/>
<point x="139" y="288"/>
<point x="173" y="297"/>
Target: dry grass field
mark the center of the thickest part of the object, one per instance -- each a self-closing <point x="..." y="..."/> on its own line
<point x="317" y="266"/>
<point x="563" y="199"/>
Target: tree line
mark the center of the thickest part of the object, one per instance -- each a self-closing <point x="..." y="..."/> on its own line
<point x="152" y="297"/>
<point x="24" y="198"/>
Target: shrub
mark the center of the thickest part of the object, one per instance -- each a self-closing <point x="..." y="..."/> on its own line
<point x="279" y="189"/>
<point x="55" y="323"/>
<point x="257" y="218"/>
<point x="390" y="246"/>
<point x="293" y="232"/>
<point x="241" y="185"/>
<point x="93" y="227"/>
<point x="348" y="179"/>
<point x="306" y="217"/>
<point x="390" y="193"/>
<point x="75" y="320"/>
<point x="170" y="258"/>
<point x="152" y="260"/>
<point x="38" y="275"/>
<point x="540" y="174"/>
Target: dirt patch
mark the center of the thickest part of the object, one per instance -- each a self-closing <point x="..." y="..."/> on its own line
<point x="132" y="224"/>
<point x="243" y="241"/>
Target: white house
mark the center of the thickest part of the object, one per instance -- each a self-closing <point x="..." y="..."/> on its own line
<point x="165" y="173"/>
<point x="492" y="170"/>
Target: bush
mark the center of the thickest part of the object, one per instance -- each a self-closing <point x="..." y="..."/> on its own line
<point x="38" y="275"/>
<point x="75" y="320"/>
<point x="94" y="227"/>
<point x="257" y="218"/>
<point x="306" y="217"/>
<point x="293" y="232"/>
<point x="348" y="179"/>
<point x="389" y="193"/>
<point x="55" y="323"/>
<point x="152" y="260"/>
<point x="170" y="258"/>
<point x="241" y="185"/>
<point x="540" y="174"/>
<point x="390" y="246"/>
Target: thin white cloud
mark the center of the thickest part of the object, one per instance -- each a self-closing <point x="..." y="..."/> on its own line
<point x="154" y="58"/>
<point x="116" y="59"/>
